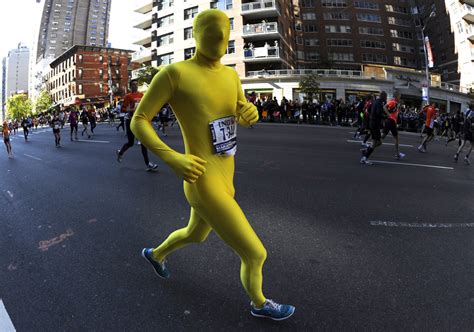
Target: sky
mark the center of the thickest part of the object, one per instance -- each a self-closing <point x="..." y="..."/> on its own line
<point x="19" y="19"/>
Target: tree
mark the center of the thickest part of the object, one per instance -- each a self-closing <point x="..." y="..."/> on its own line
<point x="146" y="74"/>
<point x="309" y="85"/>
<point x="44" y="102"/>
<point x="19" y="106"/>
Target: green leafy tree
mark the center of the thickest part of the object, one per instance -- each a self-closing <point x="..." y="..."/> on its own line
<point x="146" y="74"/>
<point x="19" y="106"/>
<point x="44" y="102"/>
<point x="309" y="85"/>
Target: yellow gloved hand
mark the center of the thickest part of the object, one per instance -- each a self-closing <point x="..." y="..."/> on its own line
<point x="187" y="166"/>
<point x="247" y="113"/>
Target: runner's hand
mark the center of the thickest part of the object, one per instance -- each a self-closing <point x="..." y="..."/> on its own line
<point x="247" y="112"/>
<point x="187" y="166"/>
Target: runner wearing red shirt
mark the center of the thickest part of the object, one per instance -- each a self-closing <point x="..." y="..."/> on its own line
<point x="130" y="104"/>
<point x="392" y="107"/>
<point x="430" y="111"/>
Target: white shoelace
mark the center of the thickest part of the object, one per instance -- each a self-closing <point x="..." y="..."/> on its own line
<point x="273" y="304"/>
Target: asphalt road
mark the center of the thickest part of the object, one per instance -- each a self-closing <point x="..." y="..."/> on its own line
<point x="353" y="247"/>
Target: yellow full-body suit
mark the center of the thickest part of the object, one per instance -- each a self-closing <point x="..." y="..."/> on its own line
<point x="200" y="91"/>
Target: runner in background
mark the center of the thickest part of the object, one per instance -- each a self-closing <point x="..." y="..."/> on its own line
<point x="6" y="139"/>
<point x="467" y="131"/>
<point x="430" y="111"/>
<point x="56" y="125"/>
<point x="393" y="108"/>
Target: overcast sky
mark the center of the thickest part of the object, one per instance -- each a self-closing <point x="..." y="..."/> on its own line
<point x="19" y="20"/>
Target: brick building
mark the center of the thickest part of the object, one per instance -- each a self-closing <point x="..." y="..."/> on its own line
<point x="89" y="75"/>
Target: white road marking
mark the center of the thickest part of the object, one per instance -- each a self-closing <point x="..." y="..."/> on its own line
<point x="405" y="145"/>
<point x="10" y="193"/>
<point x="36" y="158"/>
<point x="410" y="164"/>
<point x="6" y="324"/>
<point x="93" y="141"/>
<point x="421" y="225"/>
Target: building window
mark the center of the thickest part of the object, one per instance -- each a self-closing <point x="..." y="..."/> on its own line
<point x="300" y="55"/>
<point x="101" y="87"/>
<point x="311" y="42"/>
<point x="374" y="58"/>
<point x="188" y="33"/>
<point x="231" y="22"/>
<point x="334" y="3"/>
<point x="307" y="3"/>
<point x="368" y="18"/>
<point x="312" y="56"/>
<point x="165" y="21"/>
<point x="403" y="61"/>
<point x="336" y="16"/>
<point x="79" y="88"/>
<point x="396" y="9"/>
<point x="341" y="56"/>
<point x="371" y="31"/>
<point x="338" y="28"/>
<point x="79" y="73"/>
<point x="189" y="53"/>
<point x="372" y="44"/>
<point x="165" y="59"/>
<point x="231" y="47"/>
<point x="165" y="39"/>
<point x="310" y="28"/>
<point x="309" y="16"/>
<point x="190" y="13"/>
<point x="366" y="5"/>
<point x="401" y="34"/>
<point x="339" y="42"/>
<point x="163" y="4"/>
<point x="402" y="48"/>
<point x="399" y="21"/>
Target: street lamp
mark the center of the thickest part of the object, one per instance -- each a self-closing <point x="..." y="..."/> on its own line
<point x="427" y="73"/>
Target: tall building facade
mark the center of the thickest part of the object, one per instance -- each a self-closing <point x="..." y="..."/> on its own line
<point x="65" y="23"/>
<point x="356" y="47"/>
<point x="3" y="94"/>
<point x="17" y="71"/>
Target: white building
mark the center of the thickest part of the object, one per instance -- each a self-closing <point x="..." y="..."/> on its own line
<point x="17" y="69"/>
<point x="461" y="14"/>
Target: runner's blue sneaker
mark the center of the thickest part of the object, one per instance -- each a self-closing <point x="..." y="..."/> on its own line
<point x="160" y="268"/>
<point x="273" y="310"/>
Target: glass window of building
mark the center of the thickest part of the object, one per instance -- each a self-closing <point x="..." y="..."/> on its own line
<point x="231" y="47"/>
<point x="163" y="4"/>
<point x="309" y="16"/>
<point x="190" y="13"/>
<point x="188" y="33"/>
<point x="372" y="44"/>
<point x="366" y="5"/>
<point x="189" y="53"/>
<point x="311" y="42"/>
<point x="396" y="9"/>
<point x="165" y="21"/>
<point x="231" y="21"/>
<point x="165" y="59"/>
<point x="334" y="3"/>
<point x="364" y="17"/>
<point x="336" y="16"/>
<point x="341" y="56"/>
<point x="165" y="39"/>
<point x="338" y="28"/>
<point x="307" y="3"/>
<point x="374" y="58"/>
<point x="339" y="42"/>
<point x="310" y="28"/>
<point x="371" y="31"/>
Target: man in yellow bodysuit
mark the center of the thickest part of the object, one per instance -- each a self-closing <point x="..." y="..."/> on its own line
<point x="208" y="101"/>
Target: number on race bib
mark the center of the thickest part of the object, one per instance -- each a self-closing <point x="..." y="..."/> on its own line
<point x="224" y="136"/>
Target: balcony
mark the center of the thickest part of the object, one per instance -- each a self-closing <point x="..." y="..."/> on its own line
<point x="142" y="56"/>
<point x="470" y="33"/>
<point x="146" y="40"/>
<point x="261" y="31"/>
<point x="261" y="9"/>
<point x="468" y="13"/>
<point x="262" y="54"/>
<point x="145" y="7"/>
<point x="144" y="25"/>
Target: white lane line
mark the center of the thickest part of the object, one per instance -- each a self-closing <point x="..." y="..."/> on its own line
<point x="409" y="164"/>
<point x="405" y="145"/>
<point x="93" y="141"/>
<point x="421" y="225"/>
<point x="36" y="158"/>
<point x="6" y="324"/>
<point x="10" y="193"/>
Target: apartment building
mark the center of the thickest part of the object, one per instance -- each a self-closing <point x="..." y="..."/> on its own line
<point x="89" y="75"/>
<point x="356" y="47"/>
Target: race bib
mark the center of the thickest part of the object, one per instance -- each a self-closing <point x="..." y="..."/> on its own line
<point x="224" y="136"/>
